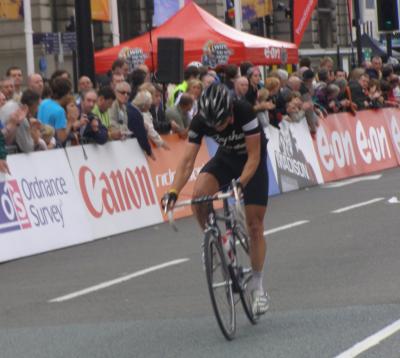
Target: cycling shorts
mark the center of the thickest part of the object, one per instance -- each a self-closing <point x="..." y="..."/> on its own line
<point x="225" y="167"/>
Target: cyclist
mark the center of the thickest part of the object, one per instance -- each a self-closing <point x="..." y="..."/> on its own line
<point x="241" y="155"/>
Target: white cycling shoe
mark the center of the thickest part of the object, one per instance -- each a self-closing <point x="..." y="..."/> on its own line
<point x="260" y="302"/>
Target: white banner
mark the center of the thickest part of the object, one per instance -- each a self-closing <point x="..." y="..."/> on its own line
<point x="293" y="156"/>
<point x="40" y="209"/>
<point x="116" y="187"/>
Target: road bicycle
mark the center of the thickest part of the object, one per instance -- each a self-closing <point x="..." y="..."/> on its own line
<point x="226" y="257"/>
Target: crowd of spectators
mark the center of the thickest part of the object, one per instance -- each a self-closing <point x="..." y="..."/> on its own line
<point x="45" y="114"/>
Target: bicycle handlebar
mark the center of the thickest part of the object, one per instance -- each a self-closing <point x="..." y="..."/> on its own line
<point x="234" y="192"/>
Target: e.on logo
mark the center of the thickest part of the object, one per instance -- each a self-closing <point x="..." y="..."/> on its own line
<point x="117" y="191"/>
<point x="372" y="144"/>
<point x="335" y="149"/>
<point x="394" y="126"/>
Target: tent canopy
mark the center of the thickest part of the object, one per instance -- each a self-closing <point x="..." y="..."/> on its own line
<point x="206" y="39"/>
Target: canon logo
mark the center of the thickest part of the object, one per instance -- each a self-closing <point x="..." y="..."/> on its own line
<point x="336" y="149"/>
<point x="116" y="191"/>
<point x="372" y="145"/>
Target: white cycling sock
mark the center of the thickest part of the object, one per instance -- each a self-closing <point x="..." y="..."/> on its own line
<point x="256" y="282"/>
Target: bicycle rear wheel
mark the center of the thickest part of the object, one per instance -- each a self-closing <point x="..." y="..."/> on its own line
<point x="243" y="273"/>
<point x="219" y="285"/>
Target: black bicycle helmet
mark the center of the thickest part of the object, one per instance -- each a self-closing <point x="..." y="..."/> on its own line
<point x="215" y="105"/>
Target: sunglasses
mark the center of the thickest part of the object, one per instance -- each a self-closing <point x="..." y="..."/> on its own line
<point x="126" y="93"/>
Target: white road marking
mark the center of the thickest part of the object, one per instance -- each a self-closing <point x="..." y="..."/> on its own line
<point x="371" y="341"/>
<point x="355" y="206"/>
<point x="285" y="227"/>
<point x="351" y="181"/>
<point x="394" y="200"/>
<point x="117" y="281"/>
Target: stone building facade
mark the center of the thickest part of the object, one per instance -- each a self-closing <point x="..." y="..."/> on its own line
<point x="328" y="29"/>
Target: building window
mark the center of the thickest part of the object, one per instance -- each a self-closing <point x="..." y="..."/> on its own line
<point x="325" y="23"/>
<point x="370" y="4"/>
<point x="129" y="19"/>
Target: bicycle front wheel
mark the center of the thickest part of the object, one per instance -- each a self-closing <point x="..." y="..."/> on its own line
<point x="219" y="285"/>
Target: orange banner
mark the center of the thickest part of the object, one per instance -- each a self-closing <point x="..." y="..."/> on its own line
<point x="100" y="10"/>
<point x="11" y="9"/>
<point x="353" y="145"/>
<point x="164" y="167"/>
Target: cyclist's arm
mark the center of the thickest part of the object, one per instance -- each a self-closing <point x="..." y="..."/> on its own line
<point x="185" y="167"/>
<point x="253" y="145"/>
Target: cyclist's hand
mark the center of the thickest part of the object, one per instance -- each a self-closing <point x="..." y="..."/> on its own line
<point x="169" y="199"/>
<point x="239" y="187"/>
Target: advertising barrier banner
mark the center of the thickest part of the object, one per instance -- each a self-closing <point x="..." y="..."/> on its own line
<point x="40" y="209"/>
<point x="164" y="168"/>
<point x="292" y="156"/>
<point x="116" y="187"/>
<point x="392" y="117"/>
<point x="350" y="145"/>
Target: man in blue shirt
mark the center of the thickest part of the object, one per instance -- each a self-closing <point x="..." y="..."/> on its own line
<point x="51" y="111"/>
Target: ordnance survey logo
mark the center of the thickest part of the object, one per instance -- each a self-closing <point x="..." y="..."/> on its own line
<point x="13" y="213"/>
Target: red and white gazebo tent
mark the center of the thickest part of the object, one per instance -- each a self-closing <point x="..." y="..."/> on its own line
<point x="206" y="39"/>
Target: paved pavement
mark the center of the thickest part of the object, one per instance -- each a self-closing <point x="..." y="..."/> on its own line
<point x="334" y="283"/>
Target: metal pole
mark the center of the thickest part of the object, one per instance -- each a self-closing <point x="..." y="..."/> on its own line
<point x="291" y="7"/>
<point x="114" y="22"/>
<point x="84" y="38"/>
<point x="389" y="44"/>
<point x="358" y="30"/>
<point x="30" y="61"/>
<point x="238" y="15"/>
<point x="181" y="3"/>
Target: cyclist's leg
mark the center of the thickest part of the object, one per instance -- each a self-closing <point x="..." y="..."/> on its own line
<point x="256" y="199"/>
<point x="255" y="223"/>
<point x="214" y="175"/>
<point x="206" y="184"/>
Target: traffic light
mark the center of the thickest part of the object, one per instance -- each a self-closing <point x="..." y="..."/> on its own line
<point x="388" y="15"/>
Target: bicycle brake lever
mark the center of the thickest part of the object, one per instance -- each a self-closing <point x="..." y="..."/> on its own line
<point x="171" y="220"/>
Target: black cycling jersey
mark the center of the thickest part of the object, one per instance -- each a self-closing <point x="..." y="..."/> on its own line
<point x="232" y="138"/>
<point x="231" y="157"/>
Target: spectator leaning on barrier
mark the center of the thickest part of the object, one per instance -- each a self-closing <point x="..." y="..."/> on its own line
<point x="273" y="86"/>
<point x="15" y="73"/>
<point x="91" y="129"/>
<point x="105" y="99"/>
<point x="28" y="136"/>
<point x="137" y="129"/>
<point x="179" y="114"/>
<point x="358" y="88"/>
<point x="375" y="71"/>
<point x="254" y="76"/>
<point x="161" y="125"/>
<point x="118" y="110"/>
<point x="7" y="87"/>
<point x="241" y="87"/>
<point x="51" y="111"/>
<point x="36" y="84"/>
<point x="195" y="87"/>
<point x="11" y="116"/>
<point x="143" y="101"/>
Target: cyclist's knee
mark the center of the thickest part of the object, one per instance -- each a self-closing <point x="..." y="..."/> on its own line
<point x="255" y="227"/>
<point x="206" y="184"/>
